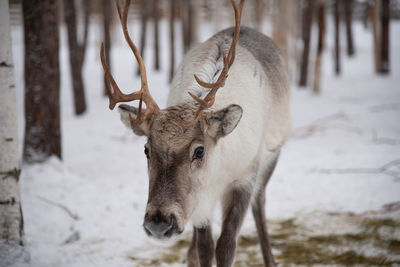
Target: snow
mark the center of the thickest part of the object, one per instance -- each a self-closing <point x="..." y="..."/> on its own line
<point x="88" y="208"/>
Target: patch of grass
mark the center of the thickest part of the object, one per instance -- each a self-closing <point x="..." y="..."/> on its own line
<point x="342" y="239"/>
<point x="374" y="223"/>
<point x="170" y="258"/>
<point x="287" y="224"/>
<point x="180" y="244"/>
<point x="247" y="241"/>
<point x="309" y="254"/>
<point x="351" y="257"/>
<point x="393" y="246"/>
<point x="144" y="262"/>
<point x="296" y="248"/>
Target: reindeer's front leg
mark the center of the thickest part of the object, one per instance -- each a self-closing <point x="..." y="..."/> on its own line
<point x="236" y="202"/>
<point x="201" y="251"/>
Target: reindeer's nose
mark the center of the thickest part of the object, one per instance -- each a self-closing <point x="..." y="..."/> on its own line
<point x="159" y="226"/>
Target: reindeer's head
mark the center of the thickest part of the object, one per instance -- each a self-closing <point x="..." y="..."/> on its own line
<point x="180" y="140"/>
<point x="177" y="159"/>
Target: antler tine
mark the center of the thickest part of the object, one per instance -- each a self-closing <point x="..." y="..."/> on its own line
<point x="116" y="96"/>
<point x="123" y="18"/>
<point x="209" y="100"/>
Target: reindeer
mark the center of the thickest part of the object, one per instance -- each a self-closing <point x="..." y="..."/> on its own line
<point x="207" y="148"/>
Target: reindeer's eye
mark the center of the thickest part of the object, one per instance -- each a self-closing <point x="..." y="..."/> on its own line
<point x="146" y="151"/>
<point x="198" y="153"/>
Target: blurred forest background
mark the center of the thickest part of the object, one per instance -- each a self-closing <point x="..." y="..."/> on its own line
<point x="291" y="27"/>
<point x="48" y="33"/>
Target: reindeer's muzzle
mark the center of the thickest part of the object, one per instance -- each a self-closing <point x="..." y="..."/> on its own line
<point x="159" y="226"/>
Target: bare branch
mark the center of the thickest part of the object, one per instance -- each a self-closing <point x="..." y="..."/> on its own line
<point x="385" y="107"/>
<point x="391" y="168"/>
<point x="384" y="140"/>
<point x="61" y="206"/>
<point x="322" y="124"/>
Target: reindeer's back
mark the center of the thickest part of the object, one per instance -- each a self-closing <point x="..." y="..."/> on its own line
<point x="265" y="51"/>
<point x="257" y="81"/>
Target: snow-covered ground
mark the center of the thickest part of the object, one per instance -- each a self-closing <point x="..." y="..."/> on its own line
<point x="334" y="162"/>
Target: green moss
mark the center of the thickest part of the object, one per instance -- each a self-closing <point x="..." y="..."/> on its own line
<point x="287" y="224"/>
<point x="181" y="244"/>
<point x="170" y="258"/>
<point x="392" y="246"/>
<point x="294" y="246"/>
<point x="304" y="253"/>
<point x="374" y="223"/>
<point x="247" y="241"/>
<point x="144" y="262"/>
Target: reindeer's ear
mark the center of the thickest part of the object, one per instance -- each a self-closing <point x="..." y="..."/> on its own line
<point x="125" y="111"/>
<point x="222" y="122"/>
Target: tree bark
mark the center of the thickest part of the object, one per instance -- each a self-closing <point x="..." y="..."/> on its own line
<point x="259" y="6"/>
<point x="172" y="39"/>
<point x="337" y="36"/>
<point x="307" y="23"/>
<point x="375" y="33"/>
<point x="12" y="251"/>
<point x="42" y="81"/>
<point x="156" y="18"/>
<point x="385" y="45"/>
<point x="348" y="13"/>
<point x="320" y="47"/>
<point x="76" y="53"/>
<point x="185" y="25"/>
<point x="280" y="25"/>
<point x="144" y="14"/>
<point x="106" y="6"/>
<point x="191" y="23"/>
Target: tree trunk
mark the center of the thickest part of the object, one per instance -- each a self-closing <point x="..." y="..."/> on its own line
<point x="337" y="36"/>
<point x="348" y="10"/>
<point x="144" y="14"/>
<point x="12" y="251"/>
<point x="106" y="6"/>
<point x="280" y="25"/>
<point x="156" y="18"/>
<point x="192" y="34"/>
<point x="172" y="39"/>
<point x="385" y="45"/>
<point x="185" y="25"/>
<point x="76" y="54"/>
<point x="320" y="47"/>
<point x="294" y="33"/>
<point x="375" y="33"/>
<point x="308" y="11"/>
<point x="259" y="14"/>
<point x="42" y="81"/>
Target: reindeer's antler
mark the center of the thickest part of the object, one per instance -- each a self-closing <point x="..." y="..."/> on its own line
<point x="143" y="95"/>
<point x="208" y="101"/>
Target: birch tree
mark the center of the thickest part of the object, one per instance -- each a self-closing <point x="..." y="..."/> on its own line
<point x="12" y="251"/>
